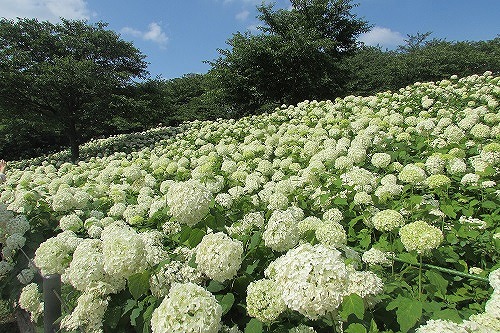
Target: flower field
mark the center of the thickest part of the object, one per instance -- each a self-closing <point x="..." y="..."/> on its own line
<point x="363" y="214"/>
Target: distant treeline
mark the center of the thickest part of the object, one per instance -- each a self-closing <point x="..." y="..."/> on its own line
<point x="298" y="56"/>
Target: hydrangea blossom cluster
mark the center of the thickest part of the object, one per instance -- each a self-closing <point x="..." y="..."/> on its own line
<point x="188" y="308"/>
<point x="282" y="233"/>
<point x="264" y="300"/>
<point x="313" y="280"/>
<point x="218" y="256"/>
<point x="30" y="300"/>
<point x="123" y="251"/>
<point x="420" y="236"/>
<point x="86" y="270"/>
<point x="55" y="254"/>
<point x="387" y="220"/>
<point x="189" y="201"/>
<point x="12" y="231"/>
<point x="88" y="313"/>
<point x="377" y="257"/>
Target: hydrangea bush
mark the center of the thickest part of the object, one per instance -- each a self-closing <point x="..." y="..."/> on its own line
<point x="362" y="214"/>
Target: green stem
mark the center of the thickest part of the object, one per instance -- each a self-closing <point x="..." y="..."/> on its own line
<point x="447" y="270"/>
<point x="420" y="279"/>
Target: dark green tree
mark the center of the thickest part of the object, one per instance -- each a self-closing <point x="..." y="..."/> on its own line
<point x="296" y="56"/>
<point x="66" y="74"/>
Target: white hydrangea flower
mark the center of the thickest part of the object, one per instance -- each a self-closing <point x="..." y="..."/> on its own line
<point x="437" y="181"/>
<point x="88" y="314"/>
<point x="264" y="300"/>
<point x="189" y="201"/>
<point x="248" y="222"/>
<point x="54" y="255"/>
<point x="435" y="164"/>
<point x="188" y="309"/>
<point x="482" y="323"/>
<point x="366" y="285"/>
<point x="86" y="269"/>
<point x="17" y="225"/>
<point x="376" y="257"/>
<point x="302" y="329"/>
<point x="387" y="220"/>
<point x="30" y="300"/>
<point x="331" y="233"/>
<point x="71" y="222"/>
<point x="363" y="198"/>
<point x="470" y="179"/>
<point x="123" y="250"/>
<point x="412" y="174"/>
<point x="492" y="306"/>
<point x="173" y="272"/>
<point x="313" y="279"/>
<point x="420" y="236"/>
<point x="281" y="231"/>
<point x="456" y="165"/>
<point x="333" y="214"/>
<point x="218" y="256"/>
<point x="494" y="278"/>
<point x="441" y="326"/>
<point x="381" y="160"/>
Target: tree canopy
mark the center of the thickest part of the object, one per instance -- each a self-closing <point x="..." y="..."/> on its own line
<point x="65" y="74"/>
<point x="295" y="57"/>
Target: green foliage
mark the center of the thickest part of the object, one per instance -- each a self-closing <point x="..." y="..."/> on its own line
<point x="66" y="75"/>
<point x="373" y="70"/>
<point x="295" y="58"/>
<point x="408" y="312"/>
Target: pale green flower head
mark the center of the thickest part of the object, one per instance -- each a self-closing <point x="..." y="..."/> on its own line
<point x="438" y="181"/>
<point x="219" y="257"/>
<point x="420" y="236"/>
<point x="264" y="300"/>
<point x="387" y="220"/>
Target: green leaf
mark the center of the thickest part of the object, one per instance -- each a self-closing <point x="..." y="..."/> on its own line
<point x="437" y="280"/>
<point x="138" y="284"/>
<point x="352" y="304"/>
<point x="416" y="199"/>
<point x="250" y="268"/>
<point x="215" y="286"/>
<point x="408" y="312"/>
<point x="227" y="302"/>
<point x="185" y="233"/>
<point x="447" y="314"/>
<point x="136" y="313"/>
<point x="195" y="237"/>
<point x="112" y="316"/>
<point x="356" y="328"/>
<point x="255" y="240"/>
<point x="253" y="326"/>
<point x="373" y="327"/>
<point x="129" y="305"/>
<point x="408" y="258"/>
<point x="340" y="202"/>
<point x="449" y="211"/>
<point x="489" y="204"/>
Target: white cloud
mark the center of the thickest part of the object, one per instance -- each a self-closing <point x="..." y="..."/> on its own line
<point x="243" y="15"/>
<point x="153" y="34"/>
<point x="382" y="36"/>
<point x="51" y="10"/>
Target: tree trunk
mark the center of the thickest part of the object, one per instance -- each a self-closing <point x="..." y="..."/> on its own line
<point x="72" y="135"/>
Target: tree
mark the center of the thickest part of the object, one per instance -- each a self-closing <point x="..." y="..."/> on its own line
<point x="296" y="56"/>
<point x="66" y="74"/>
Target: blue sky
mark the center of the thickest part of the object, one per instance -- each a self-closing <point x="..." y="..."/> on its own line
<point x="178" y="35"/>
